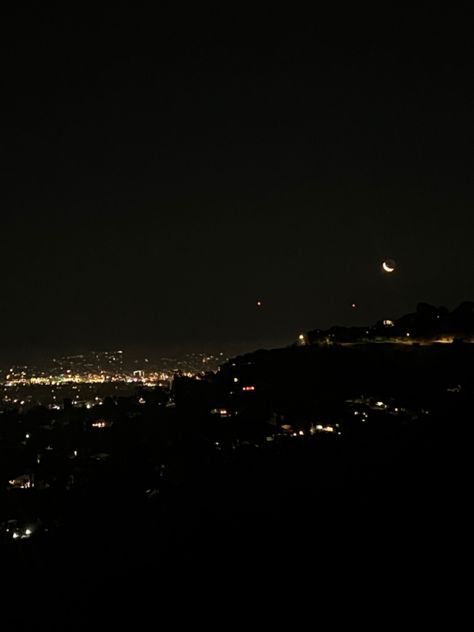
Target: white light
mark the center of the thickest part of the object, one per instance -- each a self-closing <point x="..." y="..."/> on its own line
<point x="28" y="532"/>
<point x="27" y="436"/>
<point x="15" y="535"/>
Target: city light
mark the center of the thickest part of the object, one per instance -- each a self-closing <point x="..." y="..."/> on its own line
<point x="301" y="339"/>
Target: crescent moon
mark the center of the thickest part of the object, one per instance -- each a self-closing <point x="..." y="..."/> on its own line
<point x="386" y="267"/>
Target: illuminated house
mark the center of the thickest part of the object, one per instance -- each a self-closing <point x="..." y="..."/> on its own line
<point x="24" y="481"/>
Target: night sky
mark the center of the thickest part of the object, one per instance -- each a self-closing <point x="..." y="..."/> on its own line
<point x="165" y="170"/>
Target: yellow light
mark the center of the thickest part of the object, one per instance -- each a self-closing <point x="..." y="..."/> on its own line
<point x="99" y="424"/>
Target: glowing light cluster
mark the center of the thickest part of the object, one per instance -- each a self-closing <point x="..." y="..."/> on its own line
<point x="320" y="428"/>
<point x="100" y="423"/>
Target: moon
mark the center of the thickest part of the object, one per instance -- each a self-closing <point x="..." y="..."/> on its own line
<point x="388" y="265"/>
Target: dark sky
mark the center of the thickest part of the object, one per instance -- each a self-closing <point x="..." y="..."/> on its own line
<point x="163" y="170"/>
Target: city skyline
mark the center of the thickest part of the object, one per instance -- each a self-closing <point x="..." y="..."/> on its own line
<point x="236" y="313"/>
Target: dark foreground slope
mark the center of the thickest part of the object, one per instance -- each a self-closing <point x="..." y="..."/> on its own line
<point x="261" y="512"/>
